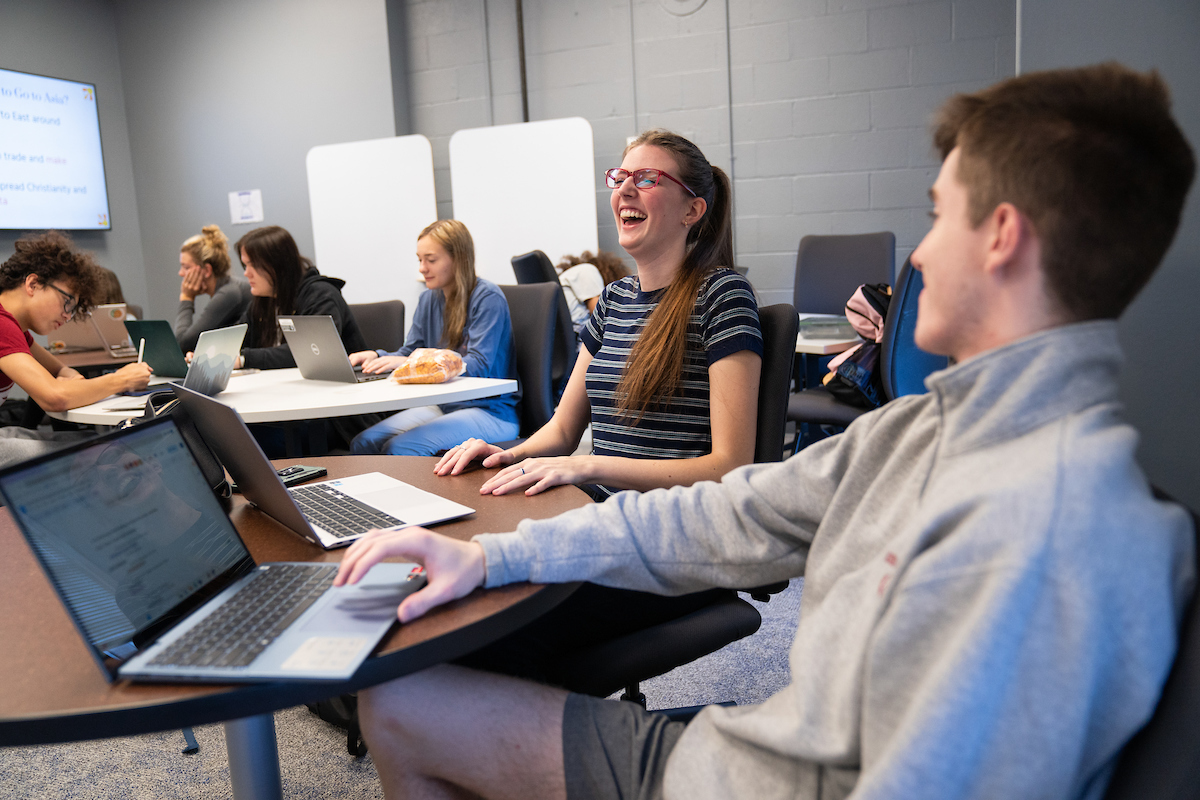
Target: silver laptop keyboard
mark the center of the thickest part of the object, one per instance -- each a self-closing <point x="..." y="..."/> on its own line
<point x="338" y="513"/>
<point x="244" y="626"/>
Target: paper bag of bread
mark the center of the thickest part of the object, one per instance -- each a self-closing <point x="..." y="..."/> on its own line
<point x="429" y="365"/>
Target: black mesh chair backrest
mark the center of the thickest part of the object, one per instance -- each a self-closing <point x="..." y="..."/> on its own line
<point x="904" y="366"/>
<point x="779" y="326"/>
<point x="381" y="324"/>
<point x="533" y="308"/>
<point x="830" y="268"/>
<point x="1163" y="760"/>
<point x="534" y="267"/>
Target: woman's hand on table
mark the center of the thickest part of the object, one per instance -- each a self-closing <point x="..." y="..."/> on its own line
<point x="536" y="475"/>
<point x="453" y="569"/>
<point x="459" y="457"/>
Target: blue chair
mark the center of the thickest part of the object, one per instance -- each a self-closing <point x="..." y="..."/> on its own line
<point x="903" y="366"/>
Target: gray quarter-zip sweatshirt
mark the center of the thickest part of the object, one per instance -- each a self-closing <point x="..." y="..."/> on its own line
<point x="991" y="596"/>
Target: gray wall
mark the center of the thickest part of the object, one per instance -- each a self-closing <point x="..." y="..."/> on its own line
<point x="819" y="107"/>
<point x="225" y="95"/>
<point x="1161" y="383"/>
<point x="76" y="39"/>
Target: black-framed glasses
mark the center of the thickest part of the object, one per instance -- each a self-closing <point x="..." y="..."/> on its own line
<point x="642" y="178"/>
<point x="70" y="301"/>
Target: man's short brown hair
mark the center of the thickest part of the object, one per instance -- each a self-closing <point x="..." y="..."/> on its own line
<point x="51" y="257"/>
<point x="1095" y="161"/>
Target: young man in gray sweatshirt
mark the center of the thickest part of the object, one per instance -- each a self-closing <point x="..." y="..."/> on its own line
<point x="992" y="595"/>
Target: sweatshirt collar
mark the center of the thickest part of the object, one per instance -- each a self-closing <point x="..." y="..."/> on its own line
<point x="1013" y="389"/>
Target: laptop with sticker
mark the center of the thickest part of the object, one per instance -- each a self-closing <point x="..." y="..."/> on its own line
<point x="161" y="586"/>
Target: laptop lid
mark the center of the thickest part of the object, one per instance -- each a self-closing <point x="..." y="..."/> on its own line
<point x="317" y="348"/>
<point x="109" y="319"/>
<point x="78" y="334"/>
<point x="162" y="352"/>
<point x="224" y="431"/>
<point x="128" y="532"/>
<point x="212" y="363"/>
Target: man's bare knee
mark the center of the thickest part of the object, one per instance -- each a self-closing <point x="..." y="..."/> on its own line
<point x="472" y="729"/>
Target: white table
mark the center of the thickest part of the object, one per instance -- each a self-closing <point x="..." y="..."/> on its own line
<point x="809" y="352"/>
<point x="823" y="347"/>
<point x="281" y="395"/>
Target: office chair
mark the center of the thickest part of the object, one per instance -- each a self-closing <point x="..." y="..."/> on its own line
<point x="779" y="325"/>
<point x="624" y="662"/>
<point x="535" y="267"/>
<point x="1163" y="760"/>
<point x="534" y="311"/>
<point x="381" y="323"/>
<point x="903" y="366"/>
<point x="830" y="268"/>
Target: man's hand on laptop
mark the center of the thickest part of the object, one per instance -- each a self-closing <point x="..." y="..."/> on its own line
<point x="453" y="569"/>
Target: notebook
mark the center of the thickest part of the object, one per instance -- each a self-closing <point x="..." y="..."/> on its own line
<point x="319" y="352"/>
<point x="330" y="513"/>
<point x="103" y="329"/>
<point x="146" y="563"/>
<point x="162" y="351"/>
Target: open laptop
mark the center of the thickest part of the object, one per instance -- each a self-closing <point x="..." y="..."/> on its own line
<point x="319" y="352"/>
<point x="162" y="351"/>
<point x="330" y="513"/>
<point x="151" y="570"/>
<point x="103" y="329"/>
<point x="212" y="362"/>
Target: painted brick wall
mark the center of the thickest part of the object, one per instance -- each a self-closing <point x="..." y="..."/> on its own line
<point x="828" y="127"/>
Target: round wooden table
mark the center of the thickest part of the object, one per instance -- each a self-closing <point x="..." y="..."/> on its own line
<point x="55" y="692"/>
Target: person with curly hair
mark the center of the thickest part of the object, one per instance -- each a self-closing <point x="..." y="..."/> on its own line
<point x="44" y="284"/>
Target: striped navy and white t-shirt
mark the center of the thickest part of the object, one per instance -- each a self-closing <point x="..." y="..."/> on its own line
<point x="724" y="321"/>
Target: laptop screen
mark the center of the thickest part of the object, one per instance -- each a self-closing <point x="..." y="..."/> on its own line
<point x="127" y="529"/>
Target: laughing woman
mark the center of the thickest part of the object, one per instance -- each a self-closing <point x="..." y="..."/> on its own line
<point x="668" y="376"/>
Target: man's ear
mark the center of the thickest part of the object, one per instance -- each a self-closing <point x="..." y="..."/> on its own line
<point x="1009" y="232"/>
<point x="32" y="284"/>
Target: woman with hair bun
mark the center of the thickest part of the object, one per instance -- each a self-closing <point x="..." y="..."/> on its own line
<point x="668" y="374"/>
<point x="204" y="269"/>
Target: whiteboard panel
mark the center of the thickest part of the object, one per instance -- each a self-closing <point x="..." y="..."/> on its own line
<point x="369" y="201"/>
<point x="529" y="186"/>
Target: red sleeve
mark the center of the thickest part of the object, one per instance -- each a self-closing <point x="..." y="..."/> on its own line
<point x="12" y="340"/>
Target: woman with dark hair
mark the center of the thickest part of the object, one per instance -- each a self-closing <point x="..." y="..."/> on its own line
<point x="459" y="312"/>
<point x="204" y="269"/>
<point x="668" y="375"/>
<point x="284" y="282"/>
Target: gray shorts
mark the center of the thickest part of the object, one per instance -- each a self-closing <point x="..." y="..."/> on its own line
<point x="614" y="750"/>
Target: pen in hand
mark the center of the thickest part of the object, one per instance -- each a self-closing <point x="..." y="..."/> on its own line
<point x="141" y="350"/>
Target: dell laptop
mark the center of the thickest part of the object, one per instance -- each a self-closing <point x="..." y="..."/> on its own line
<point x="330" y="513"/>
<point x="161" y="586"/>
<point x="319" y="352"/>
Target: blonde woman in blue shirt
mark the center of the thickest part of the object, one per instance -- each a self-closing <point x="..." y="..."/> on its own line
<point x="460" y="312"/>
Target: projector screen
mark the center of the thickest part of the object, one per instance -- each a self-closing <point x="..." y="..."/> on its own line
<point x="51" y="163"/>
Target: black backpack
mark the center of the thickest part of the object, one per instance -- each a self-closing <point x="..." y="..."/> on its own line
<point x="856" y="377"/>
